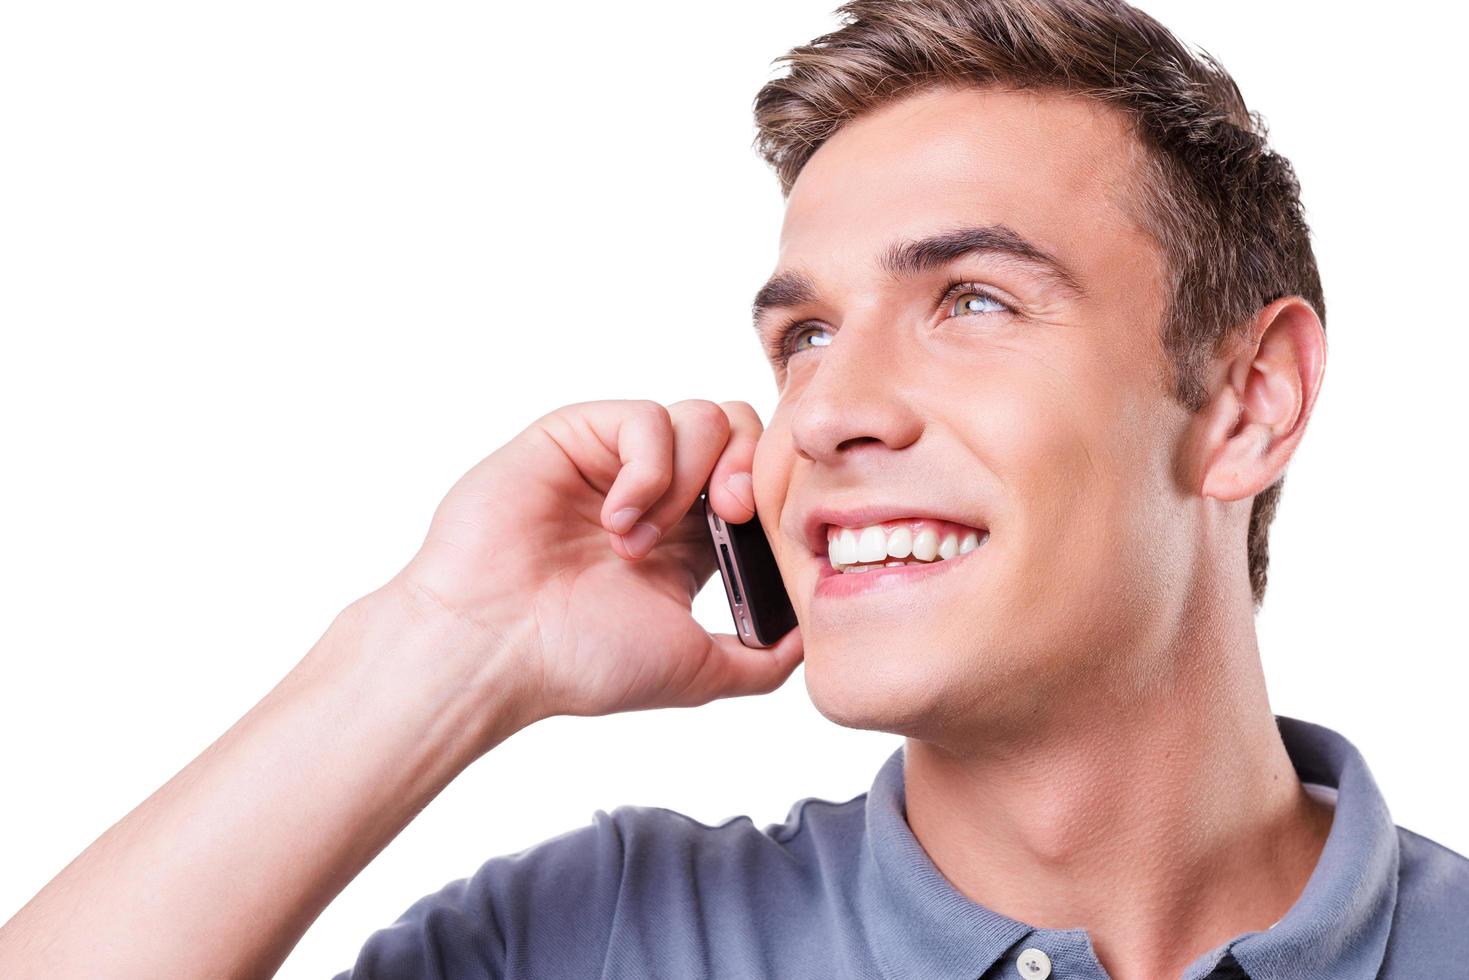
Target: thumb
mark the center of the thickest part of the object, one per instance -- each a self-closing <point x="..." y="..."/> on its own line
<point x="735" y="670"/>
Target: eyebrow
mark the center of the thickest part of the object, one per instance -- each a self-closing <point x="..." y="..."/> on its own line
<point x="913" y="257"/>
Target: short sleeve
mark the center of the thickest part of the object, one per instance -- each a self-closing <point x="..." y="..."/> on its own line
<point x="545" y="911"/>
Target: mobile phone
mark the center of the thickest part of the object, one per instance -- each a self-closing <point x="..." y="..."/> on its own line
<point x="757" y="596"/>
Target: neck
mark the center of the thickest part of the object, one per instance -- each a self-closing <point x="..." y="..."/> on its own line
<point x="1164" y="821"/>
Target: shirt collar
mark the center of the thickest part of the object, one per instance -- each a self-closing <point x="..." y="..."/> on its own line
<point x="1339" y="925"/>
<point x="921" y="925"/>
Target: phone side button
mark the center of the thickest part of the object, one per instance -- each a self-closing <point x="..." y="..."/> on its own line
<point x="729" y="569"/>
<point x="744" y="626"/>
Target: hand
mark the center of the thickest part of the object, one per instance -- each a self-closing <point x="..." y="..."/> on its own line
<point x="537" y="548"/>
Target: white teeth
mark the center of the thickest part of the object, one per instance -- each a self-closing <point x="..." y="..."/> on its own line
<point x="865" y="548"/>
<point x="926" y="545"/>
<point x="873" y="545"/>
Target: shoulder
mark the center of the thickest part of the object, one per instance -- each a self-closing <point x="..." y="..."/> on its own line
<point x="814" y="831"/>
<point x="657" y="849"/>
<point x="1431" y="878"/>
<point x="644" y="880"/>
<point x="696" y="894"/>
<point x="542" y="909"/>
<point x="1432" y="911"/>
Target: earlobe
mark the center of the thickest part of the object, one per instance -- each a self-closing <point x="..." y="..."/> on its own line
<point x="1261" y="409"/>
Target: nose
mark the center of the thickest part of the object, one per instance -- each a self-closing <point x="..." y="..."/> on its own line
<point x="856" y="399"/>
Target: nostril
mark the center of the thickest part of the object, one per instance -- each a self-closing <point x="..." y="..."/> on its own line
<point x="856" y="441"/>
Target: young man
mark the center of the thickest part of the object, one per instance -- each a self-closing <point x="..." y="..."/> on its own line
<point x="1047" y="330"/>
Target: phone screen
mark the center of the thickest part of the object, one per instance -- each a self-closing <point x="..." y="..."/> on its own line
<point x="757" y="596"/>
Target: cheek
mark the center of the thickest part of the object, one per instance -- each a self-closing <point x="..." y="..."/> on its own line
<point x="1052" y="429"/>
<point x="1037" y="428"/>
<point x="771" y="470"/>
<point x="774" y="463"/>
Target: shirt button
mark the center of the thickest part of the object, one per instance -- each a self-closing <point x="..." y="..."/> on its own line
<point x="1034" y="964"/>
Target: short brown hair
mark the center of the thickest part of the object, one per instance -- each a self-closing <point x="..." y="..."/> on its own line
<point x="1223" y="207"/>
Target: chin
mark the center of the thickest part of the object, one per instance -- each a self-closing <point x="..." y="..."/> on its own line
<point x="933" y="687"/>
<point x="882" y="685"/>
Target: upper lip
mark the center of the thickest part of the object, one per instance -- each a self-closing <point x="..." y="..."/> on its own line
<point x="817" y="519"/>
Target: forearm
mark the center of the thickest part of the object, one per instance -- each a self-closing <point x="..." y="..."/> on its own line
<point x="220" y="872"/>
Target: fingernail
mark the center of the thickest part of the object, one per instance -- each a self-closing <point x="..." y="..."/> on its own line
<point x="742" y="485"/>
<point x="622" y="520"/>
<point x="640" y="540"/>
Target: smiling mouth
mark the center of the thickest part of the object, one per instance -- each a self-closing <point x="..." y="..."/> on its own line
<point x="915" y="542"/>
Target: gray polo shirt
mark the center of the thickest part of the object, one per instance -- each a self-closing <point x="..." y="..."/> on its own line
<point x="845" y="890"/>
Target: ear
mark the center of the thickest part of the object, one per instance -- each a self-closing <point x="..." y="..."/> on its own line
<point x="1259" y="413"/>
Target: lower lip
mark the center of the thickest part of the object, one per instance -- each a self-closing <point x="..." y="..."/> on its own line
<point x="831" y="583"/>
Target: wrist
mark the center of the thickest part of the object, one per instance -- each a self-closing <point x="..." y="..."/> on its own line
<point x="407" y="652"/>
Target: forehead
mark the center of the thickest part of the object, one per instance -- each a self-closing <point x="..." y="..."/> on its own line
<point x="1060" y="169"/>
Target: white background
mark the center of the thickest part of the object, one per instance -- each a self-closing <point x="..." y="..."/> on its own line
<point x="273" y="275"/>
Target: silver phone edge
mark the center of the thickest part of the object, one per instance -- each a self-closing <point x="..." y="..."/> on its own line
<point x="743" y="622"/>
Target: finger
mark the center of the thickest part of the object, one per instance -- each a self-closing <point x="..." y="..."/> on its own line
<point x="738" y="670"/>
<point x="700" y="432"/>
<point x="731" y="487"/>
<point x="644" y="440"/>
<point x="687" y="545"/>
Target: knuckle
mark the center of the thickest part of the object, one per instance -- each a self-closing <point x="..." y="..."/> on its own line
<point x="645" y="484"/>
<point x="579" y="408"/>
<point x="742" y="416"/>
<point x="575" y="413"/>
<point x="705" y="413"/>
<point x="648" y="479"/>
<point x="648" y="407"/>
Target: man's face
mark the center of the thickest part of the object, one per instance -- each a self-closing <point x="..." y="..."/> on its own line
<point x="1014" y="404"/>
